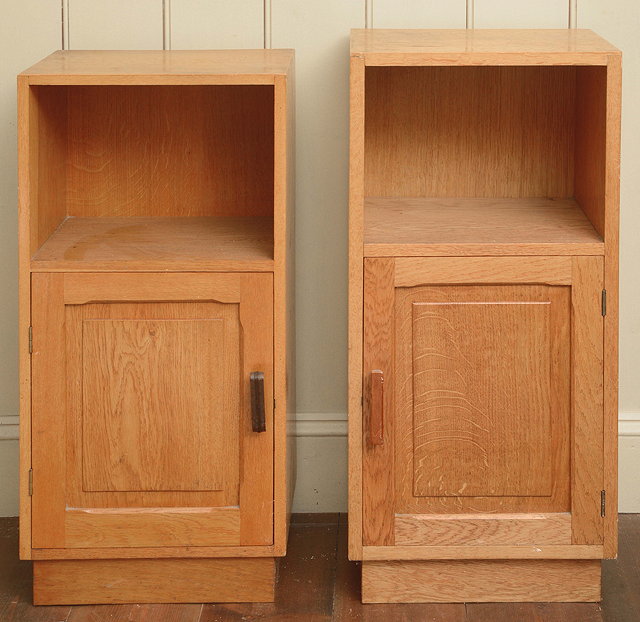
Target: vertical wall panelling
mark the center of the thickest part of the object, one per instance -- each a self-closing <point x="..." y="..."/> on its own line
<point x="29" y="30"/>
<point x="217" y="24"/>
<point x="619" y="22"/>
<point x="319" y="32"/>
<point x="471" y="10"/>
<point x="521" y="14"/>
<point x="419" y="14"/>
<point x="573" y="13"/>
<point x="166" y="24"/>
<point x="115" y="25"/>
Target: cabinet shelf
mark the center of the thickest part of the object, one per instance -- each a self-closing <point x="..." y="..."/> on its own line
<point x="399" y="226"/>
<point x="142" y="244"/>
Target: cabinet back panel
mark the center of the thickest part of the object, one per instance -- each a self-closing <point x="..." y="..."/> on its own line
<point x="169" y="151"/>
<point x="469" y="131"/>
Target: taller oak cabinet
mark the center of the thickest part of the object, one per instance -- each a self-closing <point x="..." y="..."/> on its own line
<point x="156" y="324"/>
<point x="483" y="313"/>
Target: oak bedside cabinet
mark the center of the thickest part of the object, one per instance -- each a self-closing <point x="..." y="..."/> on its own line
<point x="483" y="313"/>
<point x="156" y="323"/>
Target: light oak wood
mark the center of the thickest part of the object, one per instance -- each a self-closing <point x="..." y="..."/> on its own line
<point x="588" y="406"/>
<point x="612" y="223"/>
<point x="480" y="47"/>
<point x="412" y="271"/>
<point x="103" y="527"/>
<point x="482" y="529"/>
<point x="161" y="67"/>
<point x="469" y="132"/>
<point x="481" y="581"/>
<point x="137" y="376"/>
<point x="153" y="163"/>
<point x="378" y="487"/>
<point x="355" y="327"/>
<point x="209" y="153"/>
<point x="457" y="406"/>
<point x="469" y="189"/>
<point x="130" y="244"/>
<point x="26" y="160"/>
<point x="489" y="551"/>
<point x="72" y="495"/>
<point x="396" y="226"/>
<point x="153" y="581"/>
<point x="482" y="426"/>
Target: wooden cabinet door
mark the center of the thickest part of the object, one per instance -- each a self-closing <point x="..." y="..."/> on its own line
<point x="142" y="410"/>
<point x="483" y="404"/>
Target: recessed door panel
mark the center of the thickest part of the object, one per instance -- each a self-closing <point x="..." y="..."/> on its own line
<point x="482" y="381"/>
<point x="152" y="391"/>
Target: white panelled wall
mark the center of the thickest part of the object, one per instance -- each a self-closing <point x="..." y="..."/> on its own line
<point x="318" y="30"/>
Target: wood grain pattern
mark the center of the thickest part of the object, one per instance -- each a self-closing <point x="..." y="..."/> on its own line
<point x="611" y="328"/>
<point x="226" y="463"/>
<point x="413" y="271"/>
<point x="481" y="581"/>
<point x="590" y="153"/>
<point x="148" y="527"/>
<point x="378" y="459"/>
<point x="284" y="304"/>
<point x="119" y="244"/>
<point x="588" y="409"/>
<point x="475" y="226"/>
<point x="481" y="402"/>
<point x="469" y="132"/>
<point x="429" y="384"/>
<point x="26" y="160"/>
<point x="480" y="47"/>
<point x="482" y="529"/>
<point x="212" y="144"/>
<point x="153" y="581"/>
<point x="160" y="67"/>
<point x="48" y="416"/>
<point x="356" y="286"/>
<point x="256" y="448"/>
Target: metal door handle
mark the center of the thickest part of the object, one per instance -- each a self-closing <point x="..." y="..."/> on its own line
<point x="258" y="421"/>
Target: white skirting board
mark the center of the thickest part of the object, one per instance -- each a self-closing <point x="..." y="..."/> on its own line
<point x="322" y="463"/>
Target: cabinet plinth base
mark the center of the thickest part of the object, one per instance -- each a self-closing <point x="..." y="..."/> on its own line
<point x="481" y="581"/>
<point x="83" y="582"/>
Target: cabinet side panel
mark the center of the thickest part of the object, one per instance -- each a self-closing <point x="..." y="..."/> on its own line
<point x="356" y="206"/>
<point x="612" y="218"/>
<point x="284" y="310"/>
<point x="24" y="317"/>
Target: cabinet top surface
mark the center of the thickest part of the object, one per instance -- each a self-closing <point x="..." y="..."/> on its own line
<point x="160" y="66"/>
<point x="391" y="46"/>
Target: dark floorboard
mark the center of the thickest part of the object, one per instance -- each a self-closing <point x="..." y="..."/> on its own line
<point x="316" y="583"/>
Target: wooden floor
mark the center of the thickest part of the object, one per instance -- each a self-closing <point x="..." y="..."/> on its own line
<point x="317" y="583"/>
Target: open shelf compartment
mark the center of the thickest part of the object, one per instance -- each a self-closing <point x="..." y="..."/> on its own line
<point x="484" y="160"/>
<point x="152" y="177"/>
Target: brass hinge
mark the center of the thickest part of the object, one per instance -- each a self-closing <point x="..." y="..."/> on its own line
<point x="604" y="302"/>
<point x="603" y="503"/>
<point x="30" y="339"/>
<point x="30" y="482"/>
<point x="274" y="405"/>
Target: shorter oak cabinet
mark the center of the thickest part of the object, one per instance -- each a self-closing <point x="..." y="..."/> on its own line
<point x="156" y="232"/>
<point x="483" y="314"/>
